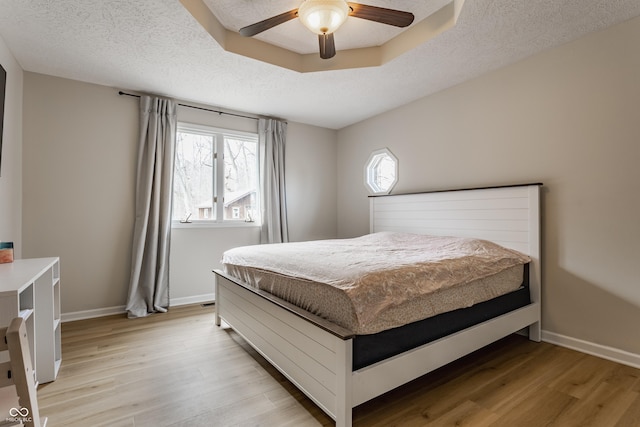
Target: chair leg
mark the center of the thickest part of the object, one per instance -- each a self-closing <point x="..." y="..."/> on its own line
<point x="22" y="372"/>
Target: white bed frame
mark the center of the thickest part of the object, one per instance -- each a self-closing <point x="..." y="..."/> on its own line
<point x="316" y="355"/>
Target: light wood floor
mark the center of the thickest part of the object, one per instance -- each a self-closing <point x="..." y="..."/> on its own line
<point x="178" y="369"/>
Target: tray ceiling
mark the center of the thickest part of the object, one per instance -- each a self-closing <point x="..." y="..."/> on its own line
<point x="292" y="35"/>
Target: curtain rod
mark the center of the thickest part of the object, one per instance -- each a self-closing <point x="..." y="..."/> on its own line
<point x="197" y="108"/>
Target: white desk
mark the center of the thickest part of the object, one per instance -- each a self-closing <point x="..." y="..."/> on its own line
<point x="30" y="288"/>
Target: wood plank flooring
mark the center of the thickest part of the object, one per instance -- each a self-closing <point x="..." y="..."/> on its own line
<point x="179" y="369"/>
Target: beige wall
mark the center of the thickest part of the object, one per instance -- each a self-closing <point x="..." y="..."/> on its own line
<point x="78" y="188"/>
<point x="11" y="167"/>
<point x="569" y="117"/>
<point x="311" y="182"/>
<point x="78" y="191"/>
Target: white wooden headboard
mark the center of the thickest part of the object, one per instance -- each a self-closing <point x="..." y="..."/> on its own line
<point x="509" y="216"/>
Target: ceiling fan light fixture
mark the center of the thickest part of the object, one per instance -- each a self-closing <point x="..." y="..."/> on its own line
<point x="323" y="16"/>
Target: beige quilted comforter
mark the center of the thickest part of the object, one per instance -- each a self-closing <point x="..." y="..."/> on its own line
<point x="378" y="274"/>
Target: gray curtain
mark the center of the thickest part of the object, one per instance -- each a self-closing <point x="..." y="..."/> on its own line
<point x="272" y="135"/>
<point x="149" y="281"/>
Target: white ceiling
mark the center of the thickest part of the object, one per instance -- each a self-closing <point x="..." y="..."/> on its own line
<point x="157" y="46"/>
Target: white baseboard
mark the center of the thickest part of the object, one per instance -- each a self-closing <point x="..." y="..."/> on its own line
<point x="602" y="351"/>
<point x="90" y="314"/>
<point x="108" y="311"/>
<point x="196" y="299"/>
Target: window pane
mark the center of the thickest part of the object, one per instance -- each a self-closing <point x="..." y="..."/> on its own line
<point x="240" y="178"/>
<point x="384" y="172"/>
<point x="381" y="171"/>
<point x="193" y="178"/>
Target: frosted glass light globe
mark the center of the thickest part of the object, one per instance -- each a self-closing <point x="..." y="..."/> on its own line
<point x="323" y="16"/>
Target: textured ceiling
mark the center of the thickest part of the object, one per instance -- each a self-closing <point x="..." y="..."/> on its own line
<point x="157" y="46"/>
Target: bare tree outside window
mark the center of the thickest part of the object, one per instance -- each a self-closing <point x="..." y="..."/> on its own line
<point x="193" y="178"/>
<point x="198" y="195"/>
<point x="241" y="177"/>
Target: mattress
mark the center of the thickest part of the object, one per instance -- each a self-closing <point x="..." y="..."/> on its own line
<point x="382" y="280"/>
<point x="372" y="348"/>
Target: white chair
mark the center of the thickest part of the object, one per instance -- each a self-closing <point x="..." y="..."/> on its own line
<point x="18" y="398"/>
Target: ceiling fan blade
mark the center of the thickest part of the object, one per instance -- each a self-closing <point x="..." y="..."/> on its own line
<point x="327" y="46"/>
<point x="258" y="27"/>
<point x="393" y="17"/>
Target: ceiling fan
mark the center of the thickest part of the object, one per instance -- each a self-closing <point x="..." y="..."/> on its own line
<point x="323" y="17"/>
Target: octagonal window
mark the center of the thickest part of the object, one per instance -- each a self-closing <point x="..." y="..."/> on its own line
<point x="381" y="172"/>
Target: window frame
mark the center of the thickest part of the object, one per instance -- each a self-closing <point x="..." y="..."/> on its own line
<point x="370" y="174"/>
<point x="218" y="177"/>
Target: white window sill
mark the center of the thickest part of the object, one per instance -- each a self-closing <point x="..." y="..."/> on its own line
<point x="213" y="224"/>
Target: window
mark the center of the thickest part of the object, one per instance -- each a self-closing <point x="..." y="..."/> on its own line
<point x="381" y="172"/>
<point x="216" y="175"/>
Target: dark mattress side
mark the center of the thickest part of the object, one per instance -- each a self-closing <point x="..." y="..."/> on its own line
<point x="369" y="349"/>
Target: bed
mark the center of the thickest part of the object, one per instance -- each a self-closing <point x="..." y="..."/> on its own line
<point x="341" y="367"/>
